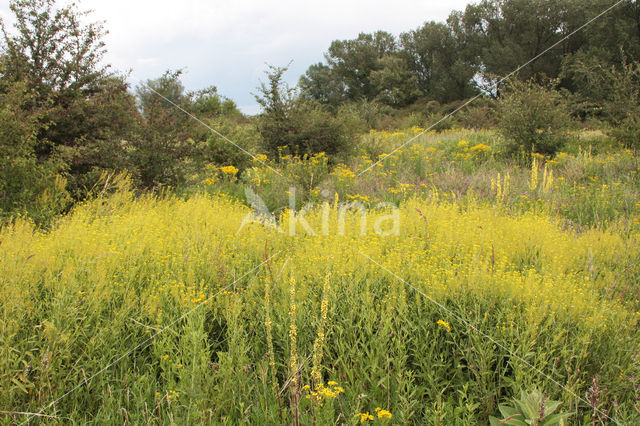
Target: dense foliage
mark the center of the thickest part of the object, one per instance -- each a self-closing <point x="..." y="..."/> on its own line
<point x="451" y="61"/>
<point x="297" y="126"/>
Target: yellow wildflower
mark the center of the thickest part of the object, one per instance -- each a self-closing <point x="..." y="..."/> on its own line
<point x="384" y="414"/>
<point x="229" y="170"/>
<point x="445" y="325"/>
<point x="364" y="417"/>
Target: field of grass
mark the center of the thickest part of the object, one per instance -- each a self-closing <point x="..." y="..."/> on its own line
<point x="491" y="277"/>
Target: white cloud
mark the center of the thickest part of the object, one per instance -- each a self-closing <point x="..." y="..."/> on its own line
<point x="226" y="43"/>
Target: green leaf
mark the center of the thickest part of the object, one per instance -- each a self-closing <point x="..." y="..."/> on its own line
<point x="20" y="385"/>
<point x="555" y="419"/>
<point x="507" y="411"/>
<point x="551" y="406"/>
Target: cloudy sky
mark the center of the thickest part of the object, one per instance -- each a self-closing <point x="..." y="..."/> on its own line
<point x="227" y="43"/>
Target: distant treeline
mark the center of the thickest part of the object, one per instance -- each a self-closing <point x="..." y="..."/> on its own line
<point x="447" y="62"/>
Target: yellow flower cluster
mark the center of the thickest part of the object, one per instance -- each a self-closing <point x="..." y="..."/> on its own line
<point x="445" y="325"/>
<point x="229" y="170"/>
<point x="365" y="417"/>
<point x="322" y="393"/>
<point x="383" y="414"/>
<point x="380" y="413"/>
<point x="479" y="148"/>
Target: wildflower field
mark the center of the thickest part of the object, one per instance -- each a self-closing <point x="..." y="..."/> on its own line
<point x="469" y="280"/>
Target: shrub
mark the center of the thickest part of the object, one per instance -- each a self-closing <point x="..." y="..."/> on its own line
<point x="533" y="118"/>
<point x="439" y="122"/>
<point x="364" y="115"/>
<point x="628" y="131"/>
<point x="221" y="152"/>
<point x="477" y="117"/>
<point x="28" y="186"/>
<point x="300" y="126"/>
<point x="85" y="109"/>
<point x="609" y="93"/>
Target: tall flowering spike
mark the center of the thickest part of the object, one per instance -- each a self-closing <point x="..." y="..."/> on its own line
<point x="267" y="323"/>
<point x="293" y="331"/>
<point x="533" y="184"/>
<point x="505" y="187"/>
<point x="319" y="342"/>
<point x="547" y="180"/>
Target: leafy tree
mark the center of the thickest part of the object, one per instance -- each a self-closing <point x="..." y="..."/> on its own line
<point x="322" y="84"/>
<point x="171" y="144"/>
<point x="611" y="93"/>
<point x="497" y="36"/>
<point x="27" y="186"/>
<point x="208" y="103"/>
<point x="533" y="118"/>
<point x="612" y="39"/>
<point x="160" y="99"/>
<point x="397" y="86"/>
<point x="298" y="125"/>
<point x="87" y="110"/>
<point x="504" y="34"/>
<point x="166" y="141"/>
<point x="434" y="56"/>
<point x="53" y="51"/>
<point x="353" y="61"/>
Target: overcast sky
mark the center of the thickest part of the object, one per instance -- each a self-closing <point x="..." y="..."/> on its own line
<point x="227" y="43"/>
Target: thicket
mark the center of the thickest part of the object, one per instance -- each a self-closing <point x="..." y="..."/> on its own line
<point x="533" y="119"/>
<point x="297" y="126"/>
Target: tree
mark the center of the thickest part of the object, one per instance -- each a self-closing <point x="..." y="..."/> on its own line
<point x="166" y="140"/>
<point x="208" y="103"/>
<point x="497" y="36"/>
<point x="533" y="118"/>
<point x="298" y="125"/>
<point x="87" y="110"/>
<point x="158" y="98"/>
<point x="53" y="51"/>
<point x="435" y="57"/>
<point x="397" y="86"/>
<point x="353" y="61"/>
<point x="610" y="93"/>
<point x="171" y="144"/>
<point x="27" y="186"/>
<point x="321" y="83"/>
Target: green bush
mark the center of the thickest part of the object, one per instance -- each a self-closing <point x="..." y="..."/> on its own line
<point x="628" y="131"/>
<point x="364" y="115"/>
<point x="85" y="109"/>
<point x="221" y="152"/>
<point x="439" y="122"/>
<point x="302" y="127"/>
<point x="477" y="117"/>
<point x="533" y="118"/>
<point x="28" y="186"/>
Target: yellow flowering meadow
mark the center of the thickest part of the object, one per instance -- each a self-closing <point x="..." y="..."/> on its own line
<point x="165" y="309"/>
